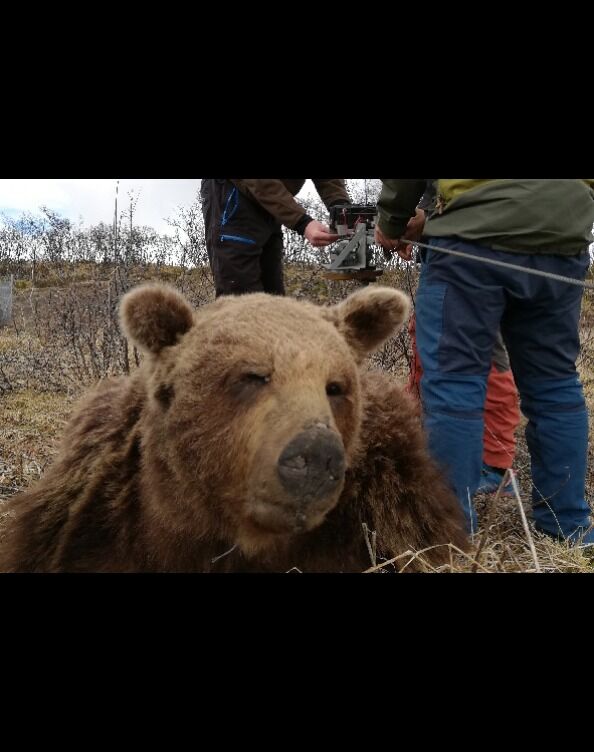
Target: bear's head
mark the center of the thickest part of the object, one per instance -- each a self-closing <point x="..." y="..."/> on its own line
<point x="254" y="405"/>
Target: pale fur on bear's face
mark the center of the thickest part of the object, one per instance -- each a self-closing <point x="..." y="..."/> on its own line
<point x="255" y="405"/>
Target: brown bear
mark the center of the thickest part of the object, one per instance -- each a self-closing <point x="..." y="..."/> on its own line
<point x="252" y="438"/>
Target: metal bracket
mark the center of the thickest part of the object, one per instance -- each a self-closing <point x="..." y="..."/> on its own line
<point x="352" y="255"/>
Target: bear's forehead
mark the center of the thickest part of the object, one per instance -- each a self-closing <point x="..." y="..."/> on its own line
<point x="274" y="330"/>
<point x="258" y="318"/>
<point x="281" y="340"/>
<point x="260" y="304"/>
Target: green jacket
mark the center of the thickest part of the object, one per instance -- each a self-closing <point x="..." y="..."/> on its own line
<point x="522" y="216"/>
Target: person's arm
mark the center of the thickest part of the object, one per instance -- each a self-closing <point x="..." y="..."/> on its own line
<point x="396" y="204"/>
<point x="416" y="224"/>
<point x="273" y="196"/>
<point x="332" y="191"/>
<point x="399" y="217"/>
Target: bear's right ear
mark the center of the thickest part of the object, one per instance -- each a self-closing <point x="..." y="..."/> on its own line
<point x="155" y="316"/>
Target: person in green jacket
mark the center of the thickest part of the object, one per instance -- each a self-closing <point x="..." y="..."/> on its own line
<point x="541" y="225"/>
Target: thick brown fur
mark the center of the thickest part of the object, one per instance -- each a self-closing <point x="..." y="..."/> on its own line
<point x="175" y="467"/>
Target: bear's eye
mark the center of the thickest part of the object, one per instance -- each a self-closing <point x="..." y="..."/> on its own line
<point x="334" y="389"/>
<point x="256" y="378"/>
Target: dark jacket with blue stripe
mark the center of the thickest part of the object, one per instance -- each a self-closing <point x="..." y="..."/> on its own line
<point x="277" y="196"/>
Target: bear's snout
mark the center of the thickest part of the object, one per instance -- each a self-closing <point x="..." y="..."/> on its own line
<point x="313" y="464"/>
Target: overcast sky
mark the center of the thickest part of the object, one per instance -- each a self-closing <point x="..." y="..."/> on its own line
<point x="93" y="200"/>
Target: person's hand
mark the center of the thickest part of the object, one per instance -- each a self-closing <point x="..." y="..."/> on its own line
<point x="318" y="234"/>
<point x="413" y="232"/>
<point x="403" y="246"/>
<point x="414" y="228"/>
<point x="388" y="244"/>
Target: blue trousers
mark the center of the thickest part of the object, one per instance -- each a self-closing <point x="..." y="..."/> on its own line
<point x="461" y="304"/>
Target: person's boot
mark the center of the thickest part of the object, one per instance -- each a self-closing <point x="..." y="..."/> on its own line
<point x="491" y="478"/>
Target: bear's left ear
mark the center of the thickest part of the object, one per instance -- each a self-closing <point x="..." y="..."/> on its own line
<point x="155" y="316"/>
<point x="368" y="317"/>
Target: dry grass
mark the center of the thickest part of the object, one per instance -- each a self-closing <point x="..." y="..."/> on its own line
<point x="43" y="370"/>
<point x="31" y="423"/>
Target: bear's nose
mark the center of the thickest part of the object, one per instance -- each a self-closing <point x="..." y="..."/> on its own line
<point x="313" y="464"/>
